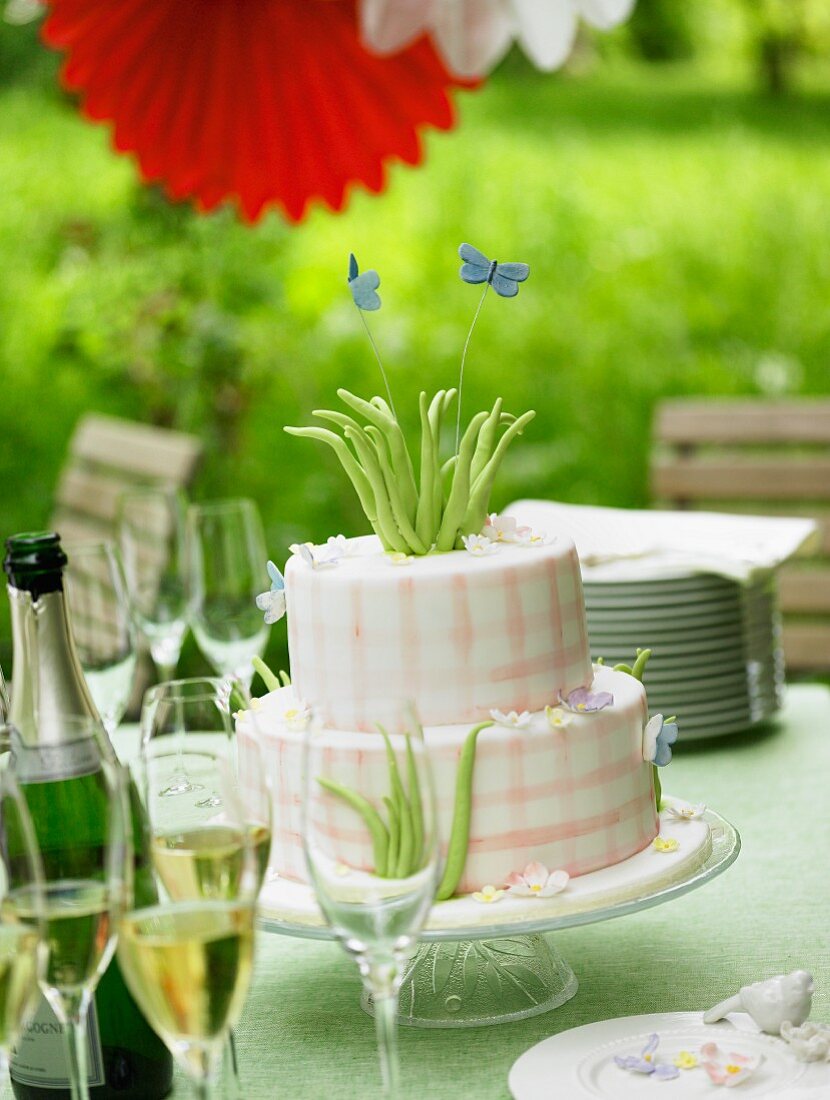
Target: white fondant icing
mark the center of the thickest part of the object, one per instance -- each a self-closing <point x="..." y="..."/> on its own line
<point x="456" y="635"/>
<point x="579" y="797"/>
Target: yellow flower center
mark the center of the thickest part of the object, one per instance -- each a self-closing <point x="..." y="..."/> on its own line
<point x="647" y="1058"/>
<point x="733" y="1069"/>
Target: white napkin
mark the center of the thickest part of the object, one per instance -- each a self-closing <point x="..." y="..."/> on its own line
<point x="628" y="545"/>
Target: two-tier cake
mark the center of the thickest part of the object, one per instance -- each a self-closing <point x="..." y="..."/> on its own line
<point x="478" y="622"/>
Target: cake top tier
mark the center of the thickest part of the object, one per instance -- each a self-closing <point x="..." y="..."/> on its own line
<point x="457" y="634"/>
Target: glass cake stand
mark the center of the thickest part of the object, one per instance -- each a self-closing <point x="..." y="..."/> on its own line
<point x="491" y="971"/>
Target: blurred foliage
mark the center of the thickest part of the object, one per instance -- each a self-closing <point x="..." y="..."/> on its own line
<point x="674" y="217"/>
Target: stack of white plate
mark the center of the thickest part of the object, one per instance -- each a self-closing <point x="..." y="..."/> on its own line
<point x="716" y="661"/>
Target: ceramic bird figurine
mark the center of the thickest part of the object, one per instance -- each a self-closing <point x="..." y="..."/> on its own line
<point x="770" y="1002"/>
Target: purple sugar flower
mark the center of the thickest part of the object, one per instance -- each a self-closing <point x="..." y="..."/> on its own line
<point x="646" y="1063"/>
<point x="585" y="701"/>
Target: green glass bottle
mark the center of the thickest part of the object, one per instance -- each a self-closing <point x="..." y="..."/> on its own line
<point x="126" y="1059"/>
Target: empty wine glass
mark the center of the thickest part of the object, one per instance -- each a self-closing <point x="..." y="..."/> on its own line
<point x="372" y="852"/>
<point x="102" y="626"/>
<point x="226" y="556"/>
<point x="188" y="960"/>
<point x="151" y="526"/>
<point x="23" y="952"/>
<point x="84" y="858"/>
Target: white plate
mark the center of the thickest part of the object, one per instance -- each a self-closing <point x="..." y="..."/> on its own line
<point x="579" y="1064"/>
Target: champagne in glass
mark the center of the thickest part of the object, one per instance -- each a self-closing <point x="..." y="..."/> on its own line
<point x="23" y="954"/>
<point x="188" y="960"/>
<point x="226" y="554"/>
<point x="372" y="855"/>
<point x="102" y="625"/>
<point x="151" y="536"/>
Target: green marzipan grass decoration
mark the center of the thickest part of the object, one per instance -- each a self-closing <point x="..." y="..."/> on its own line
<point x="269" y="678"/>
<point x="416" y="516"/>
<point x="462" y="812"/>
<point x="398" y="842"/>
<point x="637" y="670"/>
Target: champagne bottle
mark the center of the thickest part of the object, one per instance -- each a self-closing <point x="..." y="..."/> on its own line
<point x="127" y="1060"/>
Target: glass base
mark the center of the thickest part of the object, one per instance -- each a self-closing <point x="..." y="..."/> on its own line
<point x="474" y="983"/>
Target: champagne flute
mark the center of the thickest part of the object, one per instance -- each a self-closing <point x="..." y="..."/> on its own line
<point x="188" y="960"/>
<point x="179" y="719"/>
<point x="371" y="847"/>
<point x="84" y="857"/>
<point x="151" y="536"/>
<point x="102" y="626"/>
<point x="226" y="553"/>
<point x="23" y="952"/>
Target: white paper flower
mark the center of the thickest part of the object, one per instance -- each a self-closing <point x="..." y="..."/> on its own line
<point x="473" y="35"/>
<point x="686" y="812"/>
<point x="535" y="881"/>
<point x="512" y="719"/>
<point x="479" y="545"/>
<point x="558" y="718"/>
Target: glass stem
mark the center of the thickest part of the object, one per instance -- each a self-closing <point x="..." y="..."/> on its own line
<point x="75" y="1032"/>
<point x="232" y="1089"/>
<point x="382" y="977"/>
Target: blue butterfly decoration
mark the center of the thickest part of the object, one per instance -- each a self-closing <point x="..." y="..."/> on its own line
<point x="363" y="287"/>
<point x="503" y="278"/>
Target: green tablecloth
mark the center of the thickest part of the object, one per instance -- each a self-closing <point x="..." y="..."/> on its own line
<point x="303" y="1034"/>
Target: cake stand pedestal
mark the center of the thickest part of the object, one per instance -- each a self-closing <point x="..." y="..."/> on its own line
<point x="490" y="964"/>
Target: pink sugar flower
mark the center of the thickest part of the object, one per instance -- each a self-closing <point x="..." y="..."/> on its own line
<point x="536" y="881"/>
<point x="727" y="1069"/>
<point x="505" y="529"/>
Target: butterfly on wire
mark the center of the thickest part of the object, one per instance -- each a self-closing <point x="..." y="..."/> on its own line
<point x="503" y="278"/>
<point x="364" y="287"/>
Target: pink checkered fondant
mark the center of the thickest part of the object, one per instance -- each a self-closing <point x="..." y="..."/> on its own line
<point x="579" y="797"/>
<point x="456" y="634"/>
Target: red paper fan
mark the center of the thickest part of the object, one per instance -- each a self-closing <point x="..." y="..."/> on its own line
<point x="259" y="101"/>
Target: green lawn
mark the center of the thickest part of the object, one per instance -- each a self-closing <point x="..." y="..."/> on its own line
<point x="677" y="227"/>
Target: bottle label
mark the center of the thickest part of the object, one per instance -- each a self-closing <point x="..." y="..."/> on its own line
<point x="39" y="1059"/>
<point x="48" y="763"/>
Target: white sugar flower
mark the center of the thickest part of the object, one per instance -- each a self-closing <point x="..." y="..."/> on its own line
<point x="473" y="36"/>
<point x="505" y="529"/>
<point x="318" y="559"/>
<point x="512" y="719"/>
<point x="558" y="718"/>
<point x="297" y="717"/>
<point x="684" y="811"/>
<point x="397" y="557"/>
<point x="273" y="602"/>
<point x="535" y="881"/>
<point x="488" y="894"/>
<point x="478" y="545"/>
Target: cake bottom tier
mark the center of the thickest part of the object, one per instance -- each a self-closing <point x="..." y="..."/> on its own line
<point x="577" y="796"/>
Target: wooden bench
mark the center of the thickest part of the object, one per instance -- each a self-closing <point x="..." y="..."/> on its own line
<point x="764" y="457"/>
<point x="108" y="457"/>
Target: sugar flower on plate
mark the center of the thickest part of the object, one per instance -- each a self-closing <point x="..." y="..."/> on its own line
<point x="488" y="894"/>
<point x="585" y="701"/>
<point x="646" y="1061"/>
<point x="685" y="811"/>
<point x="658" y="737"/>
<point x="558" y="718"/>
<point x="810" y="1042"/>
<point x="479" y="545"/>
<point x="513" y="719"/>
<point x="686" y="1060"/>
<point x="727" y="1069"/>
<point x="535" y="881"/>
<point x="665" y="844"/>
<point x="273" y="601"/>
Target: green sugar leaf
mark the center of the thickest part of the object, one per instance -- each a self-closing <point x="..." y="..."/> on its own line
<point x="394" y="837"/>
<point x="416" y="806"/>
<point x="267" y="676"/>
<point x="458" y="502"/>
<point x="462" y="812"/>
<point x="372" y="819"/>
<point x="479" y="498"/>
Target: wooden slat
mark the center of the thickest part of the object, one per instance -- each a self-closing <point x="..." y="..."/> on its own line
<point x="142" y="450"/>
<point x="805" y="590"/>
<point x="723" y="421"/>
<point x="751" y="478"/>
<point x="807" y="646"/>
<point x="91" y="494"/>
